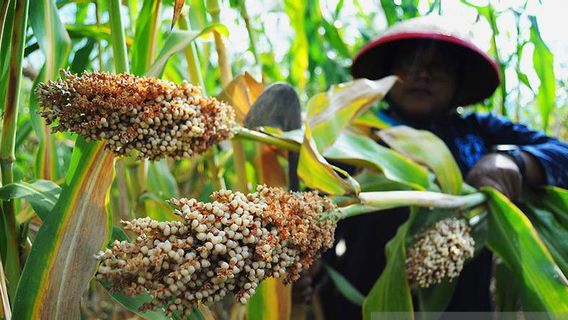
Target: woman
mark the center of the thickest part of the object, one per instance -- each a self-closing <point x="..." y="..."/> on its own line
<point x="440" y="70"/>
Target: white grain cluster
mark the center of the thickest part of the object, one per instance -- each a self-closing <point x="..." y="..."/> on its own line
<point x="439" y="252"/>
<point x="156" y="117"/>
<point x="225" y="246"/>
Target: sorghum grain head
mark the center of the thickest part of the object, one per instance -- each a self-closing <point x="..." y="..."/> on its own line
<point x="225" y="246"/>
<point x="157" y="118"/>
<point x="439" y="252"/>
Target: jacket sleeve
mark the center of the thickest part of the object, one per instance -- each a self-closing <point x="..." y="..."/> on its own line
<point x="551" y="153"/>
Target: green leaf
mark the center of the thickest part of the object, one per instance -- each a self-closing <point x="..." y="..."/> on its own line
<point x="363" y="151"/>
<point x="6" y="30"/>
<point x="507" y="289"/>
<point x="317" y="173"/>
<point x="436" y="298"/>
<point x="425" y="148"/>
<point x="51" y="35"/>
<point x="555" y="200"/>
<point x="81" y="59"/>
<point x="118" y="234"/>
<point x="61" y="263"/>
<point x="391" y="292"/>
<point x="176" y="42"/>
<point x="543" y="61"/>
<point x="512" y="237"/>
<point x="546" y="214"/>
<point x="101" y="32"/>
<point x="370" y="119"/>
<point x="272" y="300"/>
<point x="55" y="45"/>
<point x="161" y="182"/>
<point x="372" y="181"/>
<point x="144" y="37"/>
<point x="296" y="11"/>
<point x="132" y="303"/>
<point x="330" y="112"/>
<point x="41" y="194"/>
<point x="157" y="208"/>
<point x="390" y="8"/>
<point x="334" y="38"/>
<point x="345" y="287"/>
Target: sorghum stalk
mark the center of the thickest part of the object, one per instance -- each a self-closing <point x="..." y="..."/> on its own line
<point x="245" y="15"/>
<point x="98" y="41"/>
<point x="117" y="37"/>
<point x="392" y="199"/>
<point x="3" y="13"/>
<point x="228" y="245"/>
<point x="8" y="139"/>
<point x="79" y="223"/>
<point x="247" y="134"/>
<point x="226" y="77"/>
<point x="197" y="79"/>
<point x="190" y="53"/>
<point x="5" y="309"/>
<point x="151" y="53"/>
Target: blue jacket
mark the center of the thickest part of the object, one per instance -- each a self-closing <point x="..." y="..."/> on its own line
<point x="471" y="136"/>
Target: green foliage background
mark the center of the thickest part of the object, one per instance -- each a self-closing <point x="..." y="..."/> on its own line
<point x="313" y="54"/>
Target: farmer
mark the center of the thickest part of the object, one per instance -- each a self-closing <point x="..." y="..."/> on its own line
<point x="440" y="70"/>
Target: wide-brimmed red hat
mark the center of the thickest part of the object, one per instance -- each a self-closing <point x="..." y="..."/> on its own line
<point x="480" y="74"/>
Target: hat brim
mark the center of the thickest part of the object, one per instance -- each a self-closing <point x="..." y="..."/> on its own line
<point x="480" y="74"/>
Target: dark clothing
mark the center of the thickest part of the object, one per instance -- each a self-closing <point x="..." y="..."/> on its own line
<point x="468" y="138"/>
<point x="472" y="136"/>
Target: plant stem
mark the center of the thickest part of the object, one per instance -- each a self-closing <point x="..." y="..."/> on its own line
<point x="99" y="45"/>
<point x="503" y="86"/>
<point x="213" y="166"/>
<point x="135" y="171"/>
<point x="153" y="32"/>
<point x="190" y="53"/>
<point x="197" y="79"/>
<point x="248" y="134"/>
<point x="5" y="310"/>
<point x="7" y="148"/>
<point x="382" y="200"/>
<point x="392" y="199"/>
<point x="252" y="41"/>
<point x="3" y="13"/>
<point x="226" y="76"/>
<point x="118" y="40"/>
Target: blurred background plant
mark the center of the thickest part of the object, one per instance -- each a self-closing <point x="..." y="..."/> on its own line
<point x="308" y="44"/>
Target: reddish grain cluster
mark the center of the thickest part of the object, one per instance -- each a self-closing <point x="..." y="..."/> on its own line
<point x="225" y="246"/>
<point x="157" y="118"/>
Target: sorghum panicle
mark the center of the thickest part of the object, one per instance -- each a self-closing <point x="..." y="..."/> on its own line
<point x="228" y="245"/>
<point x="439" y="252"/>
<point x="156" y="117"/>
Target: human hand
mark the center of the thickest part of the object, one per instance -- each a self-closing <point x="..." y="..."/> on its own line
<point x="498" y="171"/>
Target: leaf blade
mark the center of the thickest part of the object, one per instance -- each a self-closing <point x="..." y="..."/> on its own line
<point x="512" y="237"/>
<point x="61" y="261"/>
<point x="418" y="145"/>
<point x="42" y="195"/>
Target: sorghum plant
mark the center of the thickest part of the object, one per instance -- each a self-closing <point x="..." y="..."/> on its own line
<point x="439" y="252"/>
<point x="228" y="245"/>
<point x="156" y="117"/>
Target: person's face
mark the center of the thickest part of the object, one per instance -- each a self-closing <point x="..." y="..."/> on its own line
<point x="427" y="85"/>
